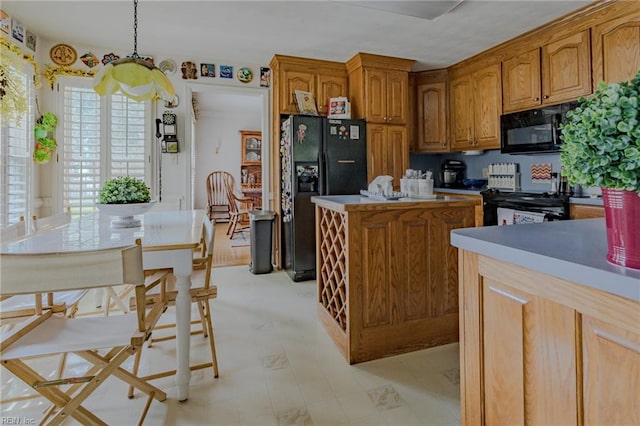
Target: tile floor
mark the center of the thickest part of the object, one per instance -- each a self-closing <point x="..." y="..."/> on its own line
<point x="277" y="367"/>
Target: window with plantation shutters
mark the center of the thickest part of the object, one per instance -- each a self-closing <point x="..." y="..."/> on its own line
<point x="103" y="137"/>
<point x="16" y="142"/>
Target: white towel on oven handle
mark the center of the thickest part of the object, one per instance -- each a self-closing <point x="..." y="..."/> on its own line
<point x="505" y="216"/>
<point x="520" y="217"/>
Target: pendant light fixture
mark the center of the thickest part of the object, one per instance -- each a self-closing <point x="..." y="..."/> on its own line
<point x="133" y="76"/>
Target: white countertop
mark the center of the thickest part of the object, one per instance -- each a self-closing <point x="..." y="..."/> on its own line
<point x="575" y="250"/>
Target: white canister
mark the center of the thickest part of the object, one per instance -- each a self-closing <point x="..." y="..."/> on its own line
<point x="404" y="185"/>
<point x="425" y="187"/>
<point x="414" y="190"/>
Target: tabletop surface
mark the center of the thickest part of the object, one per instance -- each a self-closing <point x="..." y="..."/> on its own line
<point x="159" y="230"/>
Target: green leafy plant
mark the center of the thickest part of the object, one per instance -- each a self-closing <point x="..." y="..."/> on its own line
<point x="43" y="133"/>
<point x="124" y="190"/>
<point x="601" y="139"/>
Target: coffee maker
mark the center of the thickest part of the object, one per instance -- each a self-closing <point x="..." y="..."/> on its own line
<point x="452" y="173"/>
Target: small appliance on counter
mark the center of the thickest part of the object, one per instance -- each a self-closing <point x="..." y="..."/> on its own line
<point x="452" y="173"/>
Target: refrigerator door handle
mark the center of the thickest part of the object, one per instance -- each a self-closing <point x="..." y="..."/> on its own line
<point x="346" y="161"/>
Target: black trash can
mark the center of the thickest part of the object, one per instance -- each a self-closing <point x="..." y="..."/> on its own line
<point x="261" y="225"/>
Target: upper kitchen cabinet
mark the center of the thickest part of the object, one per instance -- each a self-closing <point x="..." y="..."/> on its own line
<point x="379" y="93"/>
<point x="432" y="107"/>
<point x="475" y="107"/>
<point x="616" y="47"/>
<point x="560" y="71"/>
<point x="379" y="88"/>
<point x="387" y="152"/>
<point x="324" y="79"/>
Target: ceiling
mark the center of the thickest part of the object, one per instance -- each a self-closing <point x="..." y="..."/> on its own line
<point x="253" y="31"/>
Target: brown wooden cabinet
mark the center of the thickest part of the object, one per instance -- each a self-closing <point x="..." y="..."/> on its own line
<point x="325" y="79"/>
<point x="559" y="71"/>
<point x="386" y="96"/>
<point x="379" y="92"/>
<point x="585" y="211"/>
<point x="387" y="151"/>
<point x="395" y="287"/>
<point x="432" y="102"/>
<point x="536" y="349"/>
<point x="251" y="160"/>
<point x="616" y="47"/>
<point x="475" y="107"/>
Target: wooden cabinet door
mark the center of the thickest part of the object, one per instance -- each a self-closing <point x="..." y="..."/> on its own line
<point x="529" y="358"/>
<point x="611" y="368"/>
<point x="566" y="68"/>
<point x="432" y="117"/>
<point x="330" y="86"/>
<point x="397" y="97"/>
<point x="375" y="95"/>
<point x="461" y="109"/>
<point x="487" y="107"/>
<point x="376" y="150"/>
<point x="387" y="152"/>
<point x="293" y="80"/>
<point x="397" y="152"/>
<point x="616" y="48"/>
<point x="521" y="81"/>
<point x="585" y="211"/>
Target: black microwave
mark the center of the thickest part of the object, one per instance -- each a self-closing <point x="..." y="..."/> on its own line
<point x="535" y="130"/>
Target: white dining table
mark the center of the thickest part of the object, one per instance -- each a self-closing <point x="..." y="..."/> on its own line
<point x="168" y="239"/>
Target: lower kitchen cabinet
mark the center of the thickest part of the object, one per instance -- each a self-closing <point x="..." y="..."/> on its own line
<point x="540" y="350"/>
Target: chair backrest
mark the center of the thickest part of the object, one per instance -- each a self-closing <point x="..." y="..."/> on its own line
<point x="217" y="184"/>
<point x="209" y="237"/>
<point x="13" y="231"/>
<point x="46" y="272"/>
<point x="235" y="201"/>
<point x="49" y="222"/>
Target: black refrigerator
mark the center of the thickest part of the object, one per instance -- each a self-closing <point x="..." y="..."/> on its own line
<point x="318" y="156"/>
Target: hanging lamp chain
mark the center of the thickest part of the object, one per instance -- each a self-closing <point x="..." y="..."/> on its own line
<point x="135" y="29"/>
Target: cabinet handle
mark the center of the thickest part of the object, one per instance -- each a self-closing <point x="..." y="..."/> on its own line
<point x="536" y="99"/>
<point x="546" y="96"/>
<point x="385" y="118"/>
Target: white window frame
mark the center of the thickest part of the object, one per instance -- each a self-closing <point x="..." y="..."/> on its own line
<point x="26" y="125"/>
<point x="105" y="131"/>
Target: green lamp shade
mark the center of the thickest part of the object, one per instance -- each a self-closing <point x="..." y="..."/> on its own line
<point x="134" y="78"/>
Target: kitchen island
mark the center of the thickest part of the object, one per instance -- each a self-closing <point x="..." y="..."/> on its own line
<point x="549" y="330"/>
<point x="387" y="275"/>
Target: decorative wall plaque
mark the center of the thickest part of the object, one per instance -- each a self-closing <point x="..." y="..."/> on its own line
<point x="63" y="54"/>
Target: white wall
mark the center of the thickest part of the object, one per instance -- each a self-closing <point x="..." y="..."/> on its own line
<point x="176" y="168"/>
<point x="217" y="147"/>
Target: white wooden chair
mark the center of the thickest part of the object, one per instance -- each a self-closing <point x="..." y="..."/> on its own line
<point x="13" y="231"/>
<point x="46" y="334"/>
<point x="201" y="295"/>
<point x="50" y="222"/>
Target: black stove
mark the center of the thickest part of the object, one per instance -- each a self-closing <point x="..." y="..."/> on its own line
<point x="553" y="206"/>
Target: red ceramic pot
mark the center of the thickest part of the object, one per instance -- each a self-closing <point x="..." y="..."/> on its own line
<point x="622" y="214"/>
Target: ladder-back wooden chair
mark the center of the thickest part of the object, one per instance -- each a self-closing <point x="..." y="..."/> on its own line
<point x="239" y="208"/>
<point x="117" y="337"/>
<point x="217" y="199"/>
<point x="201" y="296"/>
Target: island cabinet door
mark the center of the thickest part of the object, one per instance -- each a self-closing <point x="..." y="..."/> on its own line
<point x="611" y="373"/>
<point x="403" y="289"/>
<point x="529" y="358"/>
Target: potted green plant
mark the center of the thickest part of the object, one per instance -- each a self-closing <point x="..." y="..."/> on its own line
<point x="124" y="197"/>
<point x="601" y="148"/>
<point x="43" y="133"/>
